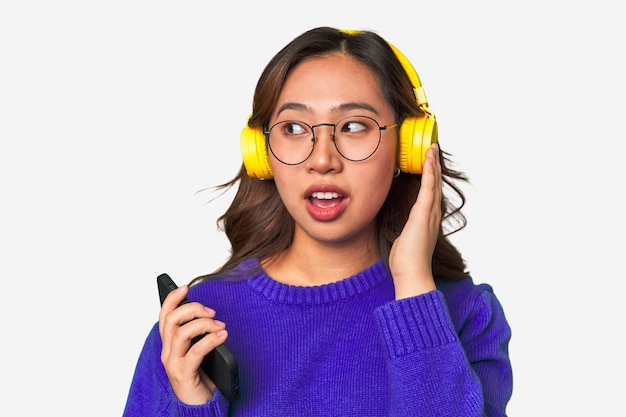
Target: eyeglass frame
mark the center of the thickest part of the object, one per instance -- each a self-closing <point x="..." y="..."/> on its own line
<point x="267" y="131"/>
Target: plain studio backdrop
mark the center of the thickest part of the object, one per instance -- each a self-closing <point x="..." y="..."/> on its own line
<point x="117" y="118"/>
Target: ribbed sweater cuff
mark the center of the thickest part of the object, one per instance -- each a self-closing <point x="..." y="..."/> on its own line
<point x="217" y="407"/>
<point x="414" y="324"/>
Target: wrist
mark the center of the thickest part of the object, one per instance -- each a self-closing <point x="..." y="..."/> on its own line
<point x="406" y="287"/>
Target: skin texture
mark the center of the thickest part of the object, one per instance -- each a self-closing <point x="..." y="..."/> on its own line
<point x="325" y="248"/>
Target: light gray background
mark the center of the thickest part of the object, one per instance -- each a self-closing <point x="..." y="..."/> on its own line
<point x="115" y="115"/>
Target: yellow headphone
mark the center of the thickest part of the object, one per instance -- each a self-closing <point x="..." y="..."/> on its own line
<point x="416" y="133"/>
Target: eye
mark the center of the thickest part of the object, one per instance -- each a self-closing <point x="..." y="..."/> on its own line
<point x="295" y="128"/>
<point x="354" y="125"/>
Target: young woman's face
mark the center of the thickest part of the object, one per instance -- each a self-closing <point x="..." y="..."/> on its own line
<point x="332" y="199"/>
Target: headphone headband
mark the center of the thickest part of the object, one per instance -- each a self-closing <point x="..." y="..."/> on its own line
<point x="418" y="90"/>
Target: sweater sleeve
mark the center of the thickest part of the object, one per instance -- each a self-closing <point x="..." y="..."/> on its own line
<point x="151" y="394"/>
<point x="435" y="369"/>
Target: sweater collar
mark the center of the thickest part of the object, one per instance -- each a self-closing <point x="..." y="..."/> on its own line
<point x="349" y="287"/>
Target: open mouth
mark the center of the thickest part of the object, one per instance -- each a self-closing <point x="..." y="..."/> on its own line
<point x="325" y="199"/>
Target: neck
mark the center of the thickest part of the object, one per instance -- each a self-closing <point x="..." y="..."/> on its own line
<point x="310" y="262"/>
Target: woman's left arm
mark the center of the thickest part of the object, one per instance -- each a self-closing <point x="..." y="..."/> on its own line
<point x="410" y="259"/>
<point x="435" y="369"/>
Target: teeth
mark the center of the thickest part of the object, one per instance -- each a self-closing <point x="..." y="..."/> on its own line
<point x="324" y="196"/>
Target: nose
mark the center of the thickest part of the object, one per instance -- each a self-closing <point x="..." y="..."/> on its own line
<point x="325" y="157"/>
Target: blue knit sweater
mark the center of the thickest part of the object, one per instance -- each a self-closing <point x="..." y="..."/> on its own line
<point x="345" y="349"/>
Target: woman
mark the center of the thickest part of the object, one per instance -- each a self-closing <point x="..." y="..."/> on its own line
<point x="343" y="295"/>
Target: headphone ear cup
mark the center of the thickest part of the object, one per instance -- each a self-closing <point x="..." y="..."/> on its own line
<point x="416" y="135"/>
<point x="254" y="153"/>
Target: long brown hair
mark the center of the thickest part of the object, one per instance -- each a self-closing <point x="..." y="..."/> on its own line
<point x="257" y="223"/>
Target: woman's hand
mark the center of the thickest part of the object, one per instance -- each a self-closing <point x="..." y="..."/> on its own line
<point x="410" y="259"/>
<point x="178" y="326"/>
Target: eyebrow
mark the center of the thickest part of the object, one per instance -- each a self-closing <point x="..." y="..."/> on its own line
<point x="353" y="105"/>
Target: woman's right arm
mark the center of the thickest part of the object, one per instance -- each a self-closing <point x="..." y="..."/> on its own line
<point x="182" y="360"/>
<point x="168" y="380"/>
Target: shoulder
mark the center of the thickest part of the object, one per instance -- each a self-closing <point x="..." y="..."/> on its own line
<point x="468" y="301"/>
<point x="463" y="290"/>
<point x="248" y="268"/>
<point x="243" y="272"/>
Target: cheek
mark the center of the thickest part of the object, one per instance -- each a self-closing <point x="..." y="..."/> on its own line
<point x="382" y="170"/>
<point x="374" y="179"/>
<point x="377" y="182"/>
<point x="285" y="182"/>
<point x="385" y="160"/>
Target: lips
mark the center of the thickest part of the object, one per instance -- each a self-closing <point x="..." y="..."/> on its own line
<point x="325" y="202"/>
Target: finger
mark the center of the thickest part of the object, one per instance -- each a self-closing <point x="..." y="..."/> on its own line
<point x="206" y="344"/>
<point x="437" y="177"/>
<point x="171" y="321"/>
<point x="172" y="313"/>
<point x="197" y="331"/>
<point x="184" y="346"/>
<point x="186" y="322"/>
<point x="429" y="194"/>
<point x="171" y="302"/>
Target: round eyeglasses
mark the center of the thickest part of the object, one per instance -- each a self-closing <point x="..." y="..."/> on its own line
<point x="356" y="138"/>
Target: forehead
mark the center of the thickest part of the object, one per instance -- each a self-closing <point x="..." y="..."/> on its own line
<point x="330" y="83"/>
